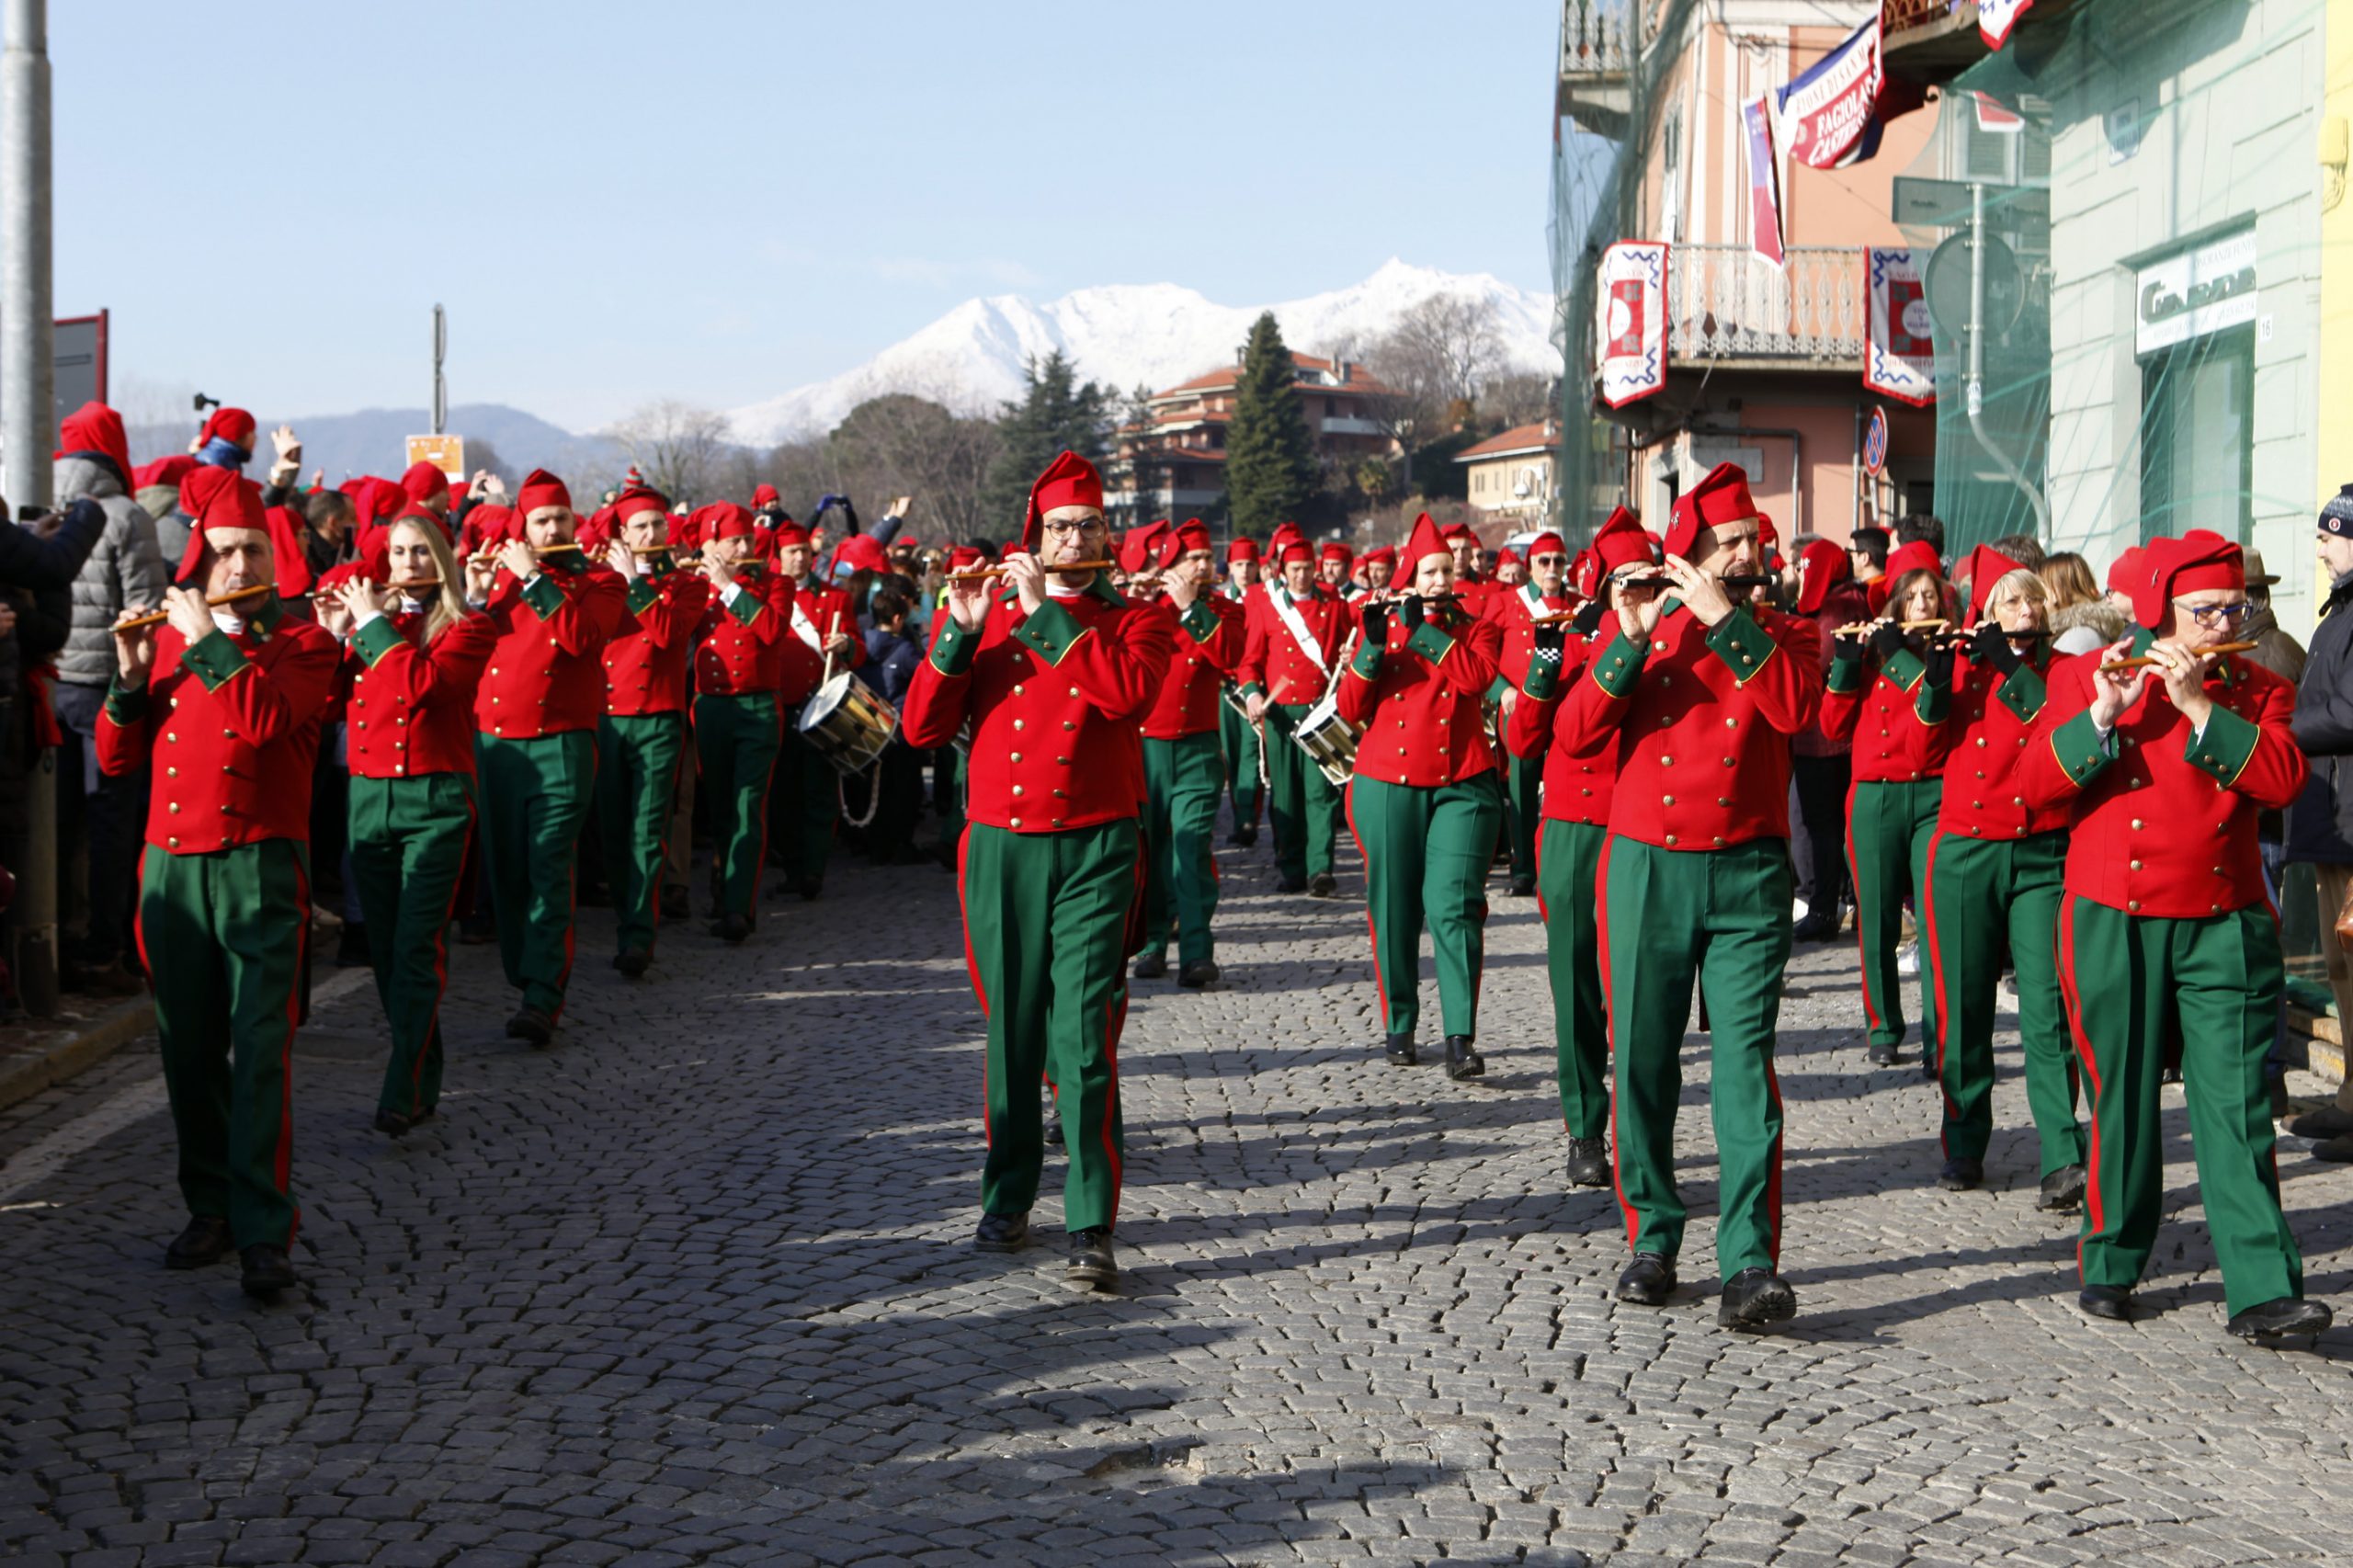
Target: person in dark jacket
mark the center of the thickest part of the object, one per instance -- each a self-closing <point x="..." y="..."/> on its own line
<point x="891" y="660"/>
<point x="2320" y="824"/>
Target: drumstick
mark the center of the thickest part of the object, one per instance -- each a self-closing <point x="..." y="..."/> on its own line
<point x="2142" y="661"/>
<point x="979" y="573"/>
<point x="833" y="626"/>
<point x="161" y="616"/>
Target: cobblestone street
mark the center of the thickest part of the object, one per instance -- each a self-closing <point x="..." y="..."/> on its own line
<point x="696" y="1286"/>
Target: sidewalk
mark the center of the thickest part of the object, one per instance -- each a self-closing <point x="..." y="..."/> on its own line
<point x="87" y="1030"/>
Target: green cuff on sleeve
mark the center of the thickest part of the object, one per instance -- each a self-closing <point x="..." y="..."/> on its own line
<point x="214" y="659"/>
<point x="376" y="638"/>
<point x="2024" y="693"/>
<point x="1845" y="668"/>
<point x="1431" y="644"/>
<point x="544" y="598"/>
<point x="1743" y="646"/>
<point x="1367" y="660"/>
<point x="1201" y="620"/>
<point x="2224" y="748"/>
<point x="643" y="595"/>
<point x="1904" y="668"/>
<point x="952" y="653"/>
<point x="1050" y="631"/>
<point x="1252" y="688"/>
<point x="746" y="608"/>
<point x="2077" y="746"/>
<point x="1543" y="682"/>
<point x="1620" y="665"/>
<point x="1932" y="702"/>
<point x="126" y="705"/>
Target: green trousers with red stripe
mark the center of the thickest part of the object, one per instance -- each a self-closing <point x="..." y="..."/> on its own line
<point x="1984" y="897"/>
<point x="1718" y="919"/>
<point x="1425" y="859"/>
<point x="1303" y="805"/>
<point x="804" y="802"/>
<point x="637" y="789"/>
<point x="1045" y="932"/>
<point x="408" y="848"/>
<point x="1183" y="778"/>
<point x="1888" y="829"/>
<point x="2131" y="979"/>
<point x="536" y="794"/>
<point x="736" y="741"/>
<point x="1568" y="855"/>
<point x="223" y="935"/>
<point x="1239" y="739"/>
<point x="1524" y="820"/>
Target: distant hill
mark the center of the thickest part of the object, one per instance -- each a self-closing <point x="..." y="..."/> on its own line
<point x="374" y="440"/>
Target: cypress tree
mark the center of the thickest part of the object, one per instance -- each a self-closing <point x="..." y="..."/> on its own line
<point x="1270" y="471"/>
<point x="1054" y="414"/>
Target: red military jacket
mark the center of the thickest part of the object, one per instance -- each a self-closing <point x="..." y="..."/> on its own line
<point x="743" y="643"/>
<point x="1701" y="718"/>
<point x="1054" y="700"/>
<point x="2163" y="823"/>
<point x="545" y="677"/>
<point x="230" y="727"/>
<point x="645" y="663"/>
<point x="1418" y="697"/>
<point x="1272" y="660"/>
<point x="1988" y="718"/>
<point x="408" y="706"/>
<point x="814" y="614"/>
<point x="1883" y="712"/>
<point x="1205" y="647"/>
<point x="1514" y="611"/>
<point x="1577" y="785"/>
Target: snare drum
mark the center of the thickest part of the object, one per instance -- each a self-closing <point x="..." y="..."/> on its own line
<point x="849" y="724"/>
<point x="1330" y="740"/>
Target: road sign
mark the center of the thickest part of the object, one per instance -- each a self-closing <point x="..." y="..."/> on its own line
<point x="1949" y="287"/>
<point x="447" y="453"/>
<point x="81" y="361"/>
<point x="1944" y="204"/>
<point x="1875" y="445"/>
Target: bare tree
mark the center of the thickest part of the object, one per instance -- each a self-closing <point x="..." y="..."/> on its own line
<point x="1519" y="397"/>
<point x="678" y="446"/>
<point x="1435" y="361"/>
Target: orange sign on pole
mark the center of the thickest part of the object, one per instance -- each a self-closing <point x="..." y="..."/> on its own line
<point x="447" y="453"/>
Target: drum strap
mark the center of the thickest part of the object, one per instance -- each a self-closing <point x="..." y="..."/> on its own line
<point x="805" y="629"/>
<point x="1296" y="624"/>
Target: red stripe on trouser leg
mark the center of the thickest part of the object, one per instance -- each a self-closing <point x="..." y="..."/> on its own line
<point x="1773" y="1172"/>
<point x="1115" y="1017"/>
<point x="441" y="972"/>
<point x="1862" y="923"/>
<point x="283" y="1165"/>
<point x="2095" y="1217"/>
<point x="972" y="969"/>
<point x="1372" y="928"/>
<point x="1941" y="1012"/>
<point x="1610" y="1023"/>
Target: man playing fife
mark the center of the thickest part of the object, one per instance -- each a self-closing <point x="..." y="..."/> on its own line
<point x="1055" y="675"/>
<point x="1182" y="767"/>
<point x="1297" y="630"/>
<point x="740" y="674"/>
<point x="535" y="735"/>
<point x="1515" y="610"/>
<point x="223" y="703"/>
<point x="1699" y="695"/>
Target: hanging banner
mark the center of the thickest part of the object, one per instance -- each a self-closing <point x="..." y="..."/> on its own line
<point x="1828" y="117"/>
<point x="1997" y="118"/>
<point x="1996" y="18"/>
<point x="1764" y="182"/>
<point x="1898" y="361"/>
<point x="1631" y="330"/>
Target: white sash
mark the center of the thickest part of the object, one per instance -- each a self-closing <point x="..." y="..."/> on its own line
<point x="805" y="629"/>
<point x="1531" y="598"/>
<point x="1296" y="625"/>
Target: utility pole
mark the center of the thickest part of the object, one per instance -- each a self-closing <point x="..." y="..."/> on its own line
<point x="28" y="431"/>
<point x="441" y="390"/>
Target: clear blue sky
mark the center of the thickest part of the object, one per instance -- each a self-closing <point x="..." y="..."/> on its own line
<point x="720" y="200"/>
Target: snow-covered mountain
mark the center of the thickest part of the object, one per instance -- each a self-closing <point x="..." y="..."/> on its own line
<point x="1128" y="335"/>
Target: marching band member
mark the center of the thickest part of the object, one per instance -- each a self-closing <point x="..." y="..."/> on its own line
<point x="1379" y="564"/>
<point x="748" y="639"/>
<point x="1424" y="804"/>
<point x="1576" y="794"/>
<point x="1515" y="610"/>
<point x="1873" y="700"/>
<point x="2165" y="926"/>
<point x="804" y="802"/>
<point x="1244" y="756"/>
<point x="1054" y="676"/>
<point x="411" y="667"/>
<point x="1334" y="565"/>
<point x="1296" y="629"/>
<point x="535" y="721"/>
<point x="643" y="737"/>
<point x="223" y="703"/>
<point x="1471" y="585"/>
<point x="1994" y="872"/>
<point x="1183" y="771"/>
<point x="1699" y="696"/>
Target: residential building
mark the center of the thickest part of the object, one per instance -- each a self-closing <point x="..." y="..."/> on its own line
<point x="1513" y="476"/>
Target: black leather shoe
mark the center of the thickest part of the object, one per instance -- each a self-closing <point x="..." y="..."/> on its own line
<point x="1401" y="1051"/>
<point x="810" y="889"/>
<point x="268" y="1269"/>
<point x="2063" y="1191"/>
<point x="1244" y="836"/>
<point x="1814" y="928"/>
<point x="1292" y="884"/>
<point x="676" y="904"/>
<point x="202" y="1244"/>
<point x="1151" y="966"/>
<point x="1756" y="1299"/>
<point x="392" y="1122"/>
<point x="1002" y="1232"/>
<point x="2111" y="1303"/>
<point x="1090" y="1262"/>
<point x="2277" y="1320"/>
<point x="1588" y="1162"/>
<point x="530" y="1024"/>
<point x="1321" y="885"/>
<point x="1885" y="1055"/>
<point x="731" y="928"/>
<point x="1053" y="1128"/>
<point x="1962" y="1176"/>
<point x="1523" y="887"/>
<point x="351" y="952"/>
<point x="1462" y="1062"/>
<point x="1199" y="974"/>
<point x="633" y="962"/>
<point x="1647" y="1281"/>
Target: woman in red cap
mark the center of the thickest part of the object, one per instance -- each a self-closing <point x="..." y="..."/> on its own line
<point x="1425" y="805"/>
<point x="2165" y="930"/>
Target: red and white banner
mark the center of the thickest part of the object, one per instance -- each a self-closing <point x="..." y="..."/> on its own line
<point x="1764" y="181"/>
<point x="1631" y="327"/>
<point x="1996" y="18"/>
<point x="1828" y="117"/>
<point x="1996" y="117"/>
<point x="1898" y="361"/>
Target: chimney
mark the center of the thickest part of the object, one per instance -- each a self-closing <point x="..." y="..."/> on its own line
<point x="1240" y="356"/>
<point x="1340" y="368"/>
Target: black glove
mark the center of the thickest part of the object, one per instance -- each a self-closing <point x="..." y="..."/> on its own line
<point x="1939" y="659"/>
<point x="1376" y="622"/>
<point x="1410" y="615"/>
<point x="1588" y="620"/>
<point x="1992" y="646"/>
<point x="1552" y="638"/>
<point x="1887" y="641"/>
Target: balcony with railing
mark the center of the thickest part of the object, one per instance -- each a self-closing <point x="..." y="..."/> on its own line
<point x="1599" y="47"/>
<point x="1726" y="305"/>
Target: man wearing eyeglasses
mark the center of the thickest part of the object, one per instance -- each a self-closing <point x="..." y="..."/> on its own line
<point x="1517" y="610"/>
<point x="2164" y="747"/>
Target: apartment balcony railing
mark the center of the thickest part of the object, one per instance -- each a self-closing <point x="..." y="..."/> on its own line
<point x="1599" y="52"/>
<point x="1895" y="15"/>
<point x="1723" y="302"/>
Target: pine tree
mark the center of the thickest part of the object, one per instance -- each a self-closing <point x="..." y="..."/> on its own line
<point x="1052" y="414"/>
<point x="1270" y="471"/>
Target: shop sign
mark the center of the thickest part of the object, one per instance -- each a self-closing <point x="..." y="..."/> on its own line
<point x="2204" y="290"/>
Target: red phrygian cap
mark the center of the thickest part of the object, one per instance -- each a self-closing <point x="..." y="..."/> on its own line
<point x="1983" y="566"/>
<point x="234" y="426"/>
<point x="1822" y="567"/>
<point x="1720" y="498"/>
<point x="540" y="488"/>
<point x="1620" y="542"/>
<point x="1424" y="540"/>
<point x="423" y="481"/>
<point x="2171" y="567"/>
<point x="95" y="428"/>
<point x="1140" y="547"/>
<point x="1069" y="480"/>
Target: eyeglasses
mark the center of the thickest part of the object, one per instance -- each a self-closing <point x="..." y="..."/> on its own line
<point x="1546" y="559"/>
<point x="2214" y="615"/>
